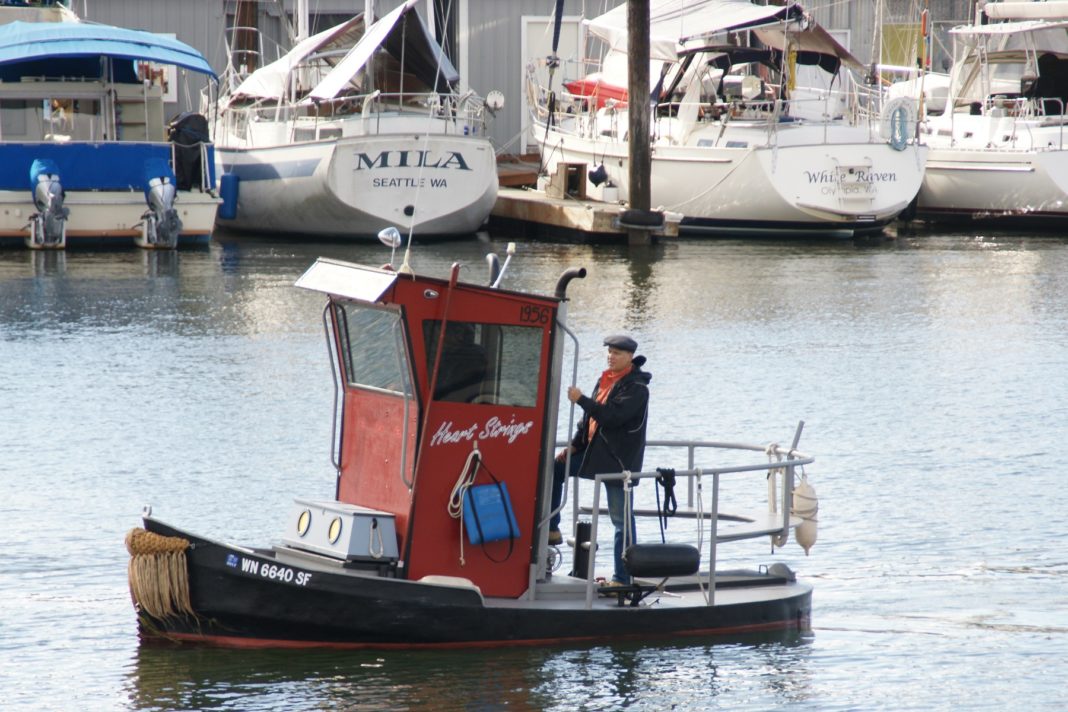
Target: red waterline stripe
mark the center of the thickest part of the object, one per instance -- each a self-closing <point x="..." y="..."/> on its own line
<point x="228" y="641"/>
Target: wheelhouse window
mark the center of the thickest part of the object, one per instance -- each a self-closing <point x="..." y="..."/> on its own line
<point x="373" y="349"/>
<point x="485" y="363"/>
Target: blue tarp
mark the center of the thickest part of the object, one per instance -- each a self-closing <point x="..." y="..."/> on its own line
<point x="86" y="166"/>
<point x="44" y="41"/>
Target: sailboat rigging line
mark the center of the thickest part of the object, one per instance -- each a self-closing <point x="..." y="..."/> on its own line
<point x="426" y="134"/>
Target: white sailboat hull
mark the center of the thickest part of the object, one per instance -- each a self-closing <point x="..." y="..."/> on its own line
<point x="355" y="186"/>
<point x="998" y="151"/>
<point x="1015" y="187"/>
<point x="805" y="183"/>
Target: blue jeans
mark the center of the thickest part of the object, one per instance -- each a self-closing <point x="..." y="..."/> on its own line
<point x="616" y="509"/>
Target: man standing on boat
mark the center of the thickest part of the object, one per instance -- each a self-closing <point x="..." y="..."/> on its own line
<point x="610" y="438"/>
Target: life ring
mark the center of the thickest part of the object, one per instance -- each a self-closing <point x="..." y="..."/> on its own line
<point x="897" y="117"/>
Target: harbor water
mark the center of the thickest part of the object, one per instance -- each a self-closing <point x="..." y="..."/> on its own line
<point x="931" y="373"/>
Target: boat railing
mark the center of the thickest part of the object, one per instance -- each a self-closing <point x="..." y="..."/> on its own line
<point x="1023" y="114"/>
<point x="462" y="114"/>
<point x="595" y="117"/>
<point x="780" y="467"/>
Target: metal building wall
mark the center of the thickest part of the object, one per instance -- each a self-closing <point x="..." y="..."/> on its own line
<point x="488" y="34"/>
<point x="196" y="22"/>
<point x="493" y="40"/>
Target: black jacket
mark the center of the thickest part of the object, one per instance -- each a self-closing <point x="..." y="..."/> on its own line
<point x="619" y="441"/>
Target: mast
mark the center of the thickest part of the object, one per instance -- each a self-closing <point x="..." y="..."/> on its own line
<point x="302" y="20"/>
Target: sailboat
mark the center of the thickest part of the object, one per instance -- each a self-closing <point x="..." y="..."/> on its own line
<point x="739" y="145"/>
<point x="357" y="128"/>
<point x="998" y="149"/>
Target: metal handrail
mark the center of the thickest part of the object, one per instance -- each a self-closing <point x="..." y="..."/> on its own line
<point x="790" y="460"/>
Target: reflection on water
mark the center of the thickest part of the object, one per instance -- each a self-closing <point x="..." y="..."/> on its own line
<point x="929" y="370"/>
<point x="771" y="667"/>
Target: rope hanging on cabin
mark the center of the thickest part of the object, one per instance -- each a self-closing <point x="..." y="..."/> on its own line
<point x="459" y="490"/>
<point x="158" y="574"/>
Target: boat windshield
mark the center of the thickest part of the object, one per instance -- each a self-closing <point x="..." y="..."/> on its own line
<point x="372" y="348"/>
<point x="491" y="364"/>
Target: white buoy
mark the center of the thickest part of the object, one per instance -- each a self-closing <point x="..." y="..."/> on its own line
<point x="806" y="506"/>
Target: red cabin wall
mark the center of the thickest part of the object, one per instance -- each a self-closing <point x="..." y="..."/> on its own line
<point x="509" y="439"/>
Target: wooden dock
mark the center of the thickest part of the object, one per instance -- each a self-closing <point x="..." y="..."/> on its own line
<point x="561" y="211"/>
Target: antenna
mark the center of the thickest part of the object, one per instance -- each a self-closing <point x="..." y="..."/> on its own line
<point x="510" y="252"/>
<point x="391" y="238"/>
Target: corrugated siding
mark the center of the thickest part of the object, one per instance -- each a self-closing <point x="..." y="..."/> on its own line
<point x="495" y="27"/>
<point x="198" y="23"/>
<point x="492" y="33"/>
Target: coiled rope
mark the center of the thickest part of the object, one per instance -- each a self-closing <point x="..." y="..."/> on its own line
<point x="775" y="456"/>
<point x="459" y="490"/>
<point x="158" y="574"/>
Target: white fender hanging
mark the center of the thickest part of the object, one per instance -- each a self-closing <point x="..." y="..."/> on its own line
<point x="806" y="506"/>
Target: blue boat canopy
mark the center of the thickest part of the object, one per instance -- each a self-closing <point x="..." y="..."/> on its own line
<point x="82" y="44"/>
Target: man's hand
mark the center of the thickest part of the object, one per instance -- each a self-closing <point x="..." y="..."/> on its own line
<point x="574" y="393"/>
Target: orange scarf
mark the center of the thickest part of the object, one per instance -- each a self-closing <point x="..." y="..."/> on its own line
<point x="604" y="386"/>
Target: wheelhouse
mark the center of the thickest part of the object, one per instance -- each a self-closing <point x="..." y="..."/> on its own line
<point x="429" y="371"/>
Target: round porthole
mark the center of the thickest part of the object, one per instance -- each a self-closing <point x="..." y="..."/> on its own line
<point x="333" y="533"/>
<point x="304" y="522"/>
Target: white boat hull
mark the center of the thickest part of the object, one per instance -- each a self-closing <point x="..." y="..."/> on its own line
<point x="1014" y="187"/>
<point x="355" y="186"/>
<point x="819" y="188"/>
<point x="109" y="215"/>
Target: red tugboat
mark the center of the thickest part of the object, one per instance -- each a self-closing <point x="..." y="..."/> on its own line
<point x="447" y="395"/>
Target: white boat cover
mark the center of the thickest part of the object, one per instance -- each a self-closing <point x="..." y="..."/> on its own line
<point x="1007" y="28"/>
<point x="1050" y="10"/>
<point x="1031" y="35"/>
<point x="673" y="23"/>
<point x="422" y="55"/>
<point x="270" y="81"/>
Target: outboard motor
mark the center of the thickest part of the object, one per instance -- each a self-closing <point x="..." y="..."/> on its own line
<point x="48" y="226"/>
<point x="160" y="225"/>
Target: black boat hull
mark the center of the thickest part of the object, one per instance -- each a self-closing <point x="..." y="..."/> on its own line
<point x="245" y="598"/>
